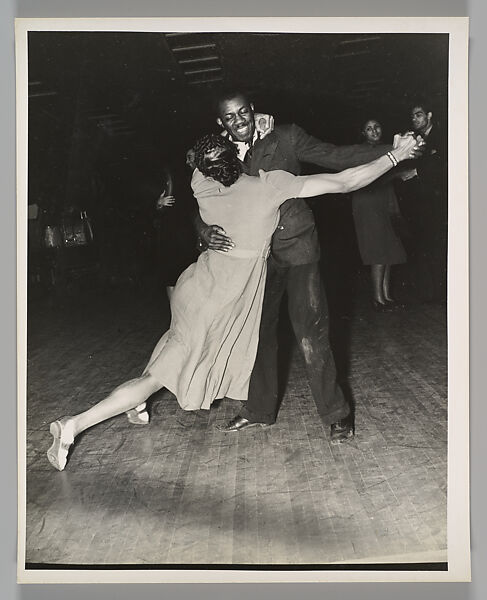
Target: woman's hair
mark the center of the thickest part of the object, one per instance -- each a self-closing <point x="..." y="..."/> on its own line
<point x="225" y="166"/>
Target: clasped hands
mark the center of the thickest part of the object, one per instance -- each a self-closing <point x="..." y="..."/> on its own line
<point x="416" y="151"/>
<point x="407" y="146"/>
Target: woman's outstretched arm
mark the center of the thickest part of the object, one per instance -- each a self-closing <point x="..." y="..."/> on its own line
<point x="357" y="177"/>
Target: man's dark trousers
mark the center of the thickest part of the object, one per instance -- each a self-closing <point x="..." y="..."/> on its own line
<point x="308" y="312"/>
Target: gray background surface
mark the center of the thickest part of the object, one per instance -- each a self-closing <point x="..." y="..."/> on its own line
<point x="477" y="10"/>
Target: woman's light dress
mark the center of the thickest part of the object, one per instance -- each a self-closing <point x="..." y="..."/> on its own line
<point x="209" y="350"/>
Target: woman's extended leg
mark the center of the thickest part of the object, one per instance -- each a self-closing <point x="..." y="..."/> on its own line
<point x="123" y="398"/>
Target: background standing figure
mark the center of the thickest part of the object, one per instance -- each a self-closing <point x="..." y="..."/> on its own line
<point x="424" y="204"/>
<point x="378" y="243"/>
<point x="432" y="194"/>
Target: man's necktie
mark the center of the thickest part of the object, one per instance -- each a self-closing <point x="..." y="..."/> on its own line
<point x="248" y="157"/>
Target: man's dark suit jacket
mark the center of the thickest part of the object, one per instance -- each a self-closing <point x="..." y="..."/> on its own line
<point x="432" y="166"/>
<point x="295" y="241"/>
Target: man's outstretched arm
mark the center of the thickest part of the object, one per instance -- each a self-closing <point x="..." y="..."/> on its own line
<point x="337" y="158"/>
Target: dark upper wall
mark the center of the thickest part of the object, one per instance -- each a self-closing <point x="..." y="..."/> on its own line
<point x="116" y="106"/>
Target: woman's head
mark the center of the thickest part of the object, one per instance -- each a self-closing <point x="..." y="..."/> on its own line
<point x="216" y="157"/>
<point x="372" y="131"/>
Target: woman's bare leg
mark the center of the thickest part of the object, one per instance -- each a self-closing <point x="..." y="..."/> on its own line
<point x="123" y="398"/>
<point x="377" y="275"/>
<point x="386" y="283"/>
<point x="139" y="415"/>
<point x="126" y="396"/>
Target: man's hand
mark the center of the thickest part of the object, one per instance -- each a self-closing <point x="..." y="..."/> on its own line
<point x="215" y="238"/>
<point x="165" y="201"/>
<point x="264" y="124"/>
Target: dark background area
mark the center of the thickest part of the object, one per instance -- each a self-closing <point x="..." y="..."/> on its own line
<point x="103" y="102"/>
<point x="108" y="110"/>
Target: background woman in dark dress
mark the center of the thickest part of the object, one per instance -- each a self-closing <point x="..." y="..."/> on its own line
<point x="379" y="245"/>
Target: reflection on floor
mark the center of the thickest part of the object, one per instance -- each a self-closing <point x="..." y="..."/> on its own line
<point x="180" y="491"/>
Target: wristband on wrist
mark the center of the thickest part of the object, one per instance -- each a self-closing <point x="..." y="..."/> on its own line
<point x="392" y="158"/>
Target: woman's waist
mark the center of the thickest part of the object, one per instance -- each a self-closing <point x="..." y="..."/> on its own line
<point x="239" y="252"/>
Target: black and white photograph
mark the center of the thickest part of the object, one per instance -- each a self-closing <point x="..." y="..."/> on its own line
<point x="242" y="300"/>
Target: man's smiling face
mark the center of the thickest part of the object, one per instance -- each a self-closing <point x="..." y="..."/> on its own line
<point x="236" y="115"/>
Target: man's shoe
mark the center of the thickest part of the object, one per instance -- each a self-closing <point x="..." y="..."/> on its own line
<point x="238" y="423"/>
<point x="341" y="431"/>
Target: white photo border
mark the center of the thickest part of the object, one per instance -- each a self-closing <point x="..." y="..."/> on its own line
<point x="458" y="301"/>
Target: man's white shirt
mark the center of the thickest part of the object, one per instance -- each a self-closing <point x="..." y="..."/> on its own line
<point x="243" y="147"/>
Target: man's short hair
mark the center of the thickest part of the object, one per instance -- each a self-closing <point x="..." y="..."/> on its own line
<point x="226" y="167"/>
<point x="422" y="103"/>
<point x="225" y="94"/>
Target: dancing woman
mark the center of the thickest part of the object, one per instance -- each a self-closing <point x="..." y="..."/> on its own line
<point x="209" y="350"/>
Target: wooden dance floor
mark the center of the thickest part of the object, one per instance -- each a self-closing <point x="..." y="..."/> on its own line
<point x="178" y="491"/>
